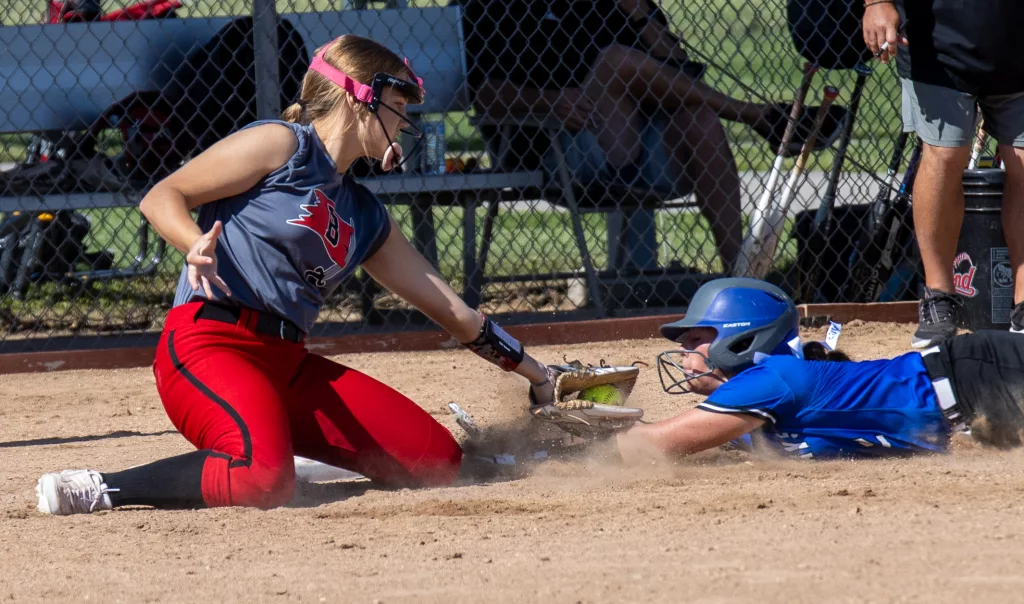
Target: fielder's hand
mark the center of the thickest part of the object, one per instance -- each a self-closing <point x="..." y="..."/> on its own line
<point x="581" y="417"/>
<point x="202" y="262"/>
<point x="544" y="393"/>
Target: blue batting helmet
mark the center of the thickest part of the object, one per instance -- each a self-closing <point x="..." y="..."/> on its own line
<point x="750" y="317"/>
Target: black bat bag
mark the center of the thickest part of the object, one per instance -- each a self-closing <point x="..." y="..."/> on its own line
<point x="828" y="32"/>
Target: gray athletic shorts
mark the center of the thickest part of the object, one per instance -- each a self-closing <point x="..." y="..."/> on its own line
<point x="944" y="117"/>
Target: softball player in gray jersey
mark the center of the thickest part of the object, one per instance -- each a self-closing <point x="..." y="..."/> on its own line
<point x="278" y="229"/>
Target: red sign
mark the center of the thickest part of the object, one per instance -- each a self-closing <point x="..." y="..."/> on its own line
<point x="963" y="275"/>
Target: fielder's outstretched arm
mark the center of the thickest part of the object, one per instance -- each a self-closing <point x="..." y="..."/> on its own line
<point x="406" y="273"/>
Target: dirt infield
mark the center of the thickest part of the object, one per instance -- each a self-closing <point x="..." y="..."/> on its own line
<point x="718" y="528"/>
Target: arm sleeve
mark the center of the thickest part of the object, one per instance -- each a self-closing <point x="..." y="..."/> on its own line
<point x="757" y="391"/>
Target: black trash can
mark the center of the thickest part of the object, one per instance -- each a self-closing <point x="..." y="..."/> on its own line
<point x="982" y="273"/>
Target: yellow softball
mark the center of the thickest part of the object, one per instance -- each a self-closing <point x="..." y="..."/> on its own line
<point x="605" y="394"/>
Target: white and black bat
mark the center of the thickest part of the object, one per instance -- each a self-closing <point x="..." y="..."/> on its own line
<point x="752" y="245"/>
<point x="765" y="234"/>
<point x="980" y="139"/>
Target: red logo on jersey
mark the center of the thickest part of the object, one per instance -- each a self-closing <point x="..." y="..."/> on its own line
<point x="322" y="218"/>
<point x="963" y="280"/>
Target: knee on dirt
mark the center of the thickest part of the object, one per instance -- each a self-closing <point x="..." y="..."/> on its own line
<point x="270" y="487"/>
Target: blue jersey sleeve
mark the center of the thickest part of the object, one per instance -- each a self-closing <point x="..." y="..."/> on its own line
<point x="758" y="391"/>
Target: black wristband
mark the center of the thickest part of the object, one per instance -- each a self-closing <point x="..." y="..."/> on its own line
<point x="496" y="346"/>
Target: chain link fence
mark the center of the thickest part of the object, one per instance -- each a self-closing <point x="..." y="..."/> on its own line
<point x="600" y="158"/>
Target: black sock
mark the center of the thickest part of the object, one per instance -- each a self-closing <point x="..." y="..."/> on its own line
<point x="172" y="483"/>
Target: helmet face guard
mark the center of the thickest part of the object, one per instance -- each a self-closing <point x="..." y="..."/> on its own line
<point x="675" y="379"/>
<point x="371" y="95"/>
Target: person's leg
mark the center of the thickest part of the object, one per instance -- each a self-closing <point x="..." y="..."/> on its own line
<point x="939" y="211"/>
<point x="617" y="126"/>
<point x="1013" y="213"/>
<point x="944" y="121"/>
<point x="219" y="390"/>
<point x="987" y="370"/>
<point x="619" y="70"/>
<point x="697" y="142"/>
<point x="1004" y="121"/>
<point x="226" y="402"/>
<point x="347" y="419"/>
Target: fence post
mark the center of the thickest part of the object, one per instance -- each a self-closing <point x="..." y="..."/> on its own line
<point x="268" y="85"/>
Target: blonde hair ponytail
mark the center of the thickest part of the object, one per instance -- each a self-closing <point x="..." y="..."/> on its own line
<point x="295" y="113"/>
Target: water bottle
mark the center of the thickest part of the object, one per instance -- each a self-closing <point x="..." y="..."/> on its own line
<point x="432" y="161"/>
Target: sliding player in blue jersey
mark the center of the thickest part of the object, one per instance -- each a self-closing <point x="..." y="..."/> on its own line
<point x="740" y="346"/>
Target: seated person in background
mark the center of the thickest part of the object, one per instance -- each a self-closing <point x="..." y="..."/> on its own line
<point x="611" y="70"/>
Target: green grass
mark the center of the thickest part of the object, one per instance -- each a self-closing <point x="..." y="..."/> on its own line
<point x="524" y="242"/>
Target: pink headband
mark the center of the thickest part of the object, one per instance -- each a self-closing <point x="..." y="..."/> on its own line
<point x="361" y="91"/>
<point x="418" y="81"/>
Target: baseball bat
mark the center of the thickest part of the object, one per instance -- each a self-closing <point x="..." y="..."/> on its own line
<point x="900" y="231"/>
<point x="770" y="232"/>
<point x="980" y="138"/>
<point x="864" y="274"/>
<point x="901" y="225"/>
<point x="821" y="218"/>
<point x="751" y="244"/>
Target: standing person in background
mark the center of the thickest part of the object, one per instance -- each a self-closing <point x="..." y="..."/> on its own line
<point x="956" y="56"/>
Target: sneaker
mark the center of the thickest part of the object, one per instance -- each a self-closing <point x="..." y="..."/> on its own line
<point x="1017" y="319"/>
<point x="936" y="319"/>
<point x="72" y="492"/>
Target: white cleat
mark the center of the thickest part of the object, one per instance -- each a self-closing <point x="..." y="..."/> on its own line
<point x="72" y="492"/>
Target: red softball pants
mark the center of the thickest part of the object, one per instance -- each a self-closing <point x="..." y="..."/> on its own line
<point x="257" y="400"/>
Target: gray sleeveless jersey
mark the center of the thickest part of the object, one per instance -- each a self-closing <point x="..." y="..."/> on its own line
<point x="290" y="240"/>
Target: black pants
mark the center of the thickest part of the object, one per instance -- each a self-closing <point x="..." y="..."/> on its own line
<point x="986" y="369"/>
